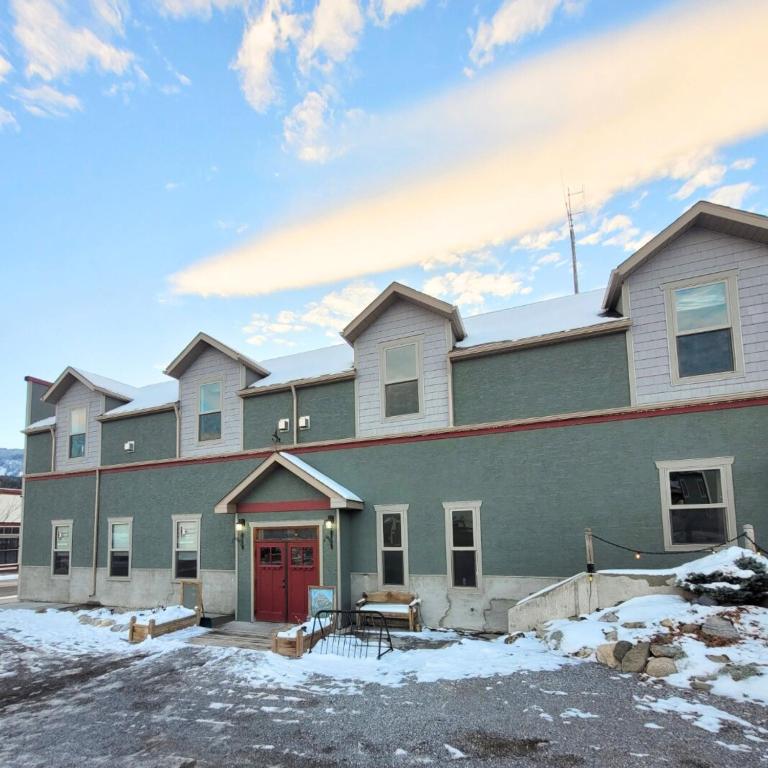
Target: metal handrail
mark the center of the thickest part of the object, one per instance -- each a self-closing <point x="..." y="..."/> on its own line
<point x="354" y="634"/>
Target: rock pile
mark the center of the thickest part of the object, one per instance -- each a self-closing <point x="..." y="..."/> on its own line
<point x="654" y="659"/>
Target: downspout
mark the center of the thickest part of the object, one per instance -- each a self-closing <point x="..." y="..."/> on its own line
<point x="295" y="415"/>
<point x="95" y="531"/>
<point x="178" y="429"/>
<point x="53" y="449"/>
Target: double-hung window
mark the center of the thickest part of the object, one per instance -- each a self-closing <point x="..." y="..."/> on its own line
<point x="120" y="548"/>
<point x="61" y="547"/>
<point x="392" y="536"/>
<point x="77" y="421"/>
<point x="209" y="411"/>
<point x="703" y="322"/>
<point x="697" y="502"/>
<point x="186" y="547"/>
<point x="401" y="365"/>
<point x="462" y="530"/>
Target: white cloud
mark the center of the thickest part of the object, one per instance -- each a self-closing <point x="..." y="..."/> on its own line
<point x="111" y="12"/>
<point x="170" y="186"/>
<point x="333" y="34"/>
<point x="732" y="194"/>
<point x="53" y="47"/>
<point x="46" y="101"/>
<point x="549" y="258"/>
<point x="305" y="129"/>
<point x="264" y="36"/>
<point x="7" y="119"/>
<point x="330" y="313"/>
<point x="5" y="68"/>
<point x="470" y="288"/>
<point x="500" y="177"/>
<point x="540" y="241"/>
<point x="708" y="176"/>
<point x="203" y="8"/>
<point x="513" y="21"/>
<point x="607" y="225"/>
<point x="743" y="163"/>
<point x="382" y="11"/>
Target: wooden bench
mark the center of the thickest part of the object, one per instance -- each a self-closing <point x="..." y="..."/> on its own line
<point x="393" y="605"/>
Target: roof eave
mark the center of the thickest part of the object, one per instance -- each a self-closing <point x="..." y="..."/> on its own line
<point x="298" y="383"/>
<point x="179" y="364"/>
<point x="138" y="412"/>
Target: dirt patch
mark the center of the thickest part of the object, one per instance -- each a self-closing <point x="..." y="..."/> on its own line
<point x="492" y="745"/>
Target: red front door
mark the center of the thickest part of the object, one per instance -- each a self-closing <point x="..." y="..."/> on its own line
<point x="282" y="572"/>
<point x="269" y="591"/>
<point x="302" y="573"/>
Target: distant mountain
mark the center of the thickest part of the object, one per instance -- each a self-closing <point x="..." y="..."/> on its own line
<point x="11" y="462"/>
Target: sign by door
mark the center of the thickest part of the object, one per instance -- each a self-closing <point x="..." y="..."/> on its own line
<point x="282" y="572"/>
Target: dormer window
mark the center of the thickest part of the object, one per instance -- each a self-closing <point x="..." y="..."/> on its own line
<point x="401" y="364"/>
<point x="77" y="420"/>
<point x="704" y="328"/>
<point x="209" y="411"/>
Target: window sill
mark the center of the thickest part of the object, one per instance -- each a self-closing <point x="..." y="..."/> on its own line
<point x="466" y="590"/>
<point x="707" y="378"/>
<point x="118" y="578"/>
<point x="61" y="576"/>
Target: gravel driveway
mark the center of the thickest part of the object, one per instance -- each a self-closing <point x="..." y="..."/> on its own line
<point x="186" y="708"/>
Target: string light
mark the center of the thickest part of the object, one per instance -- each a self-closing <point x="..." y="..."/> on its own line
<point x="637" y="555"/>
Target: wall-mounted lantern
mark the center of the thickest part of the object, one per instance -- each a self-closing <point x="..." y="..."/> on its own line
<point x="330" y="525"/>
<point x="240" y="532"/>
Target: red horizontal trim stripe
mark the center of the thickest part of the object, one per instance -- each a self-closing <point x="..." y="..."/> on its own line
<point x="458" y="432"/>
<point x="299" y="505"/>
<point x="11" y="491"/>
<point x="35" y="380"/>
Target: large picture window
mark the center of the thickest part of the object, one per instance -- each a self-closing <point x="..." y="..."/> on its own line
<point x="77" y="422"/>
<point x="186" y="547"/>
<point x="209" y="412"/>
<point x="120" y="549"/>
<point x="462" y="530"/>
<point x="704" y="328"/>
<point x="401" y="364"/>
<point x="61" y="547"/>
<point x="392" y="536"/>
<point x="697" y="503"/>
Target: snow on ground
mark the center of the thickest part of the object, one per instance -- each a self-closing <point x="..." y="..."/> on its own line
<point x="464" y="659"/>
<point x="76" y="632"/>
<point x="9" y="576"/>
<point x="589" y="632"/>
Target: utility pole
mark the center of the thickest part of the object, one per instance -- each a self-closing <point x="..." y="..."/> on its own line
<point x="571" y="213"/>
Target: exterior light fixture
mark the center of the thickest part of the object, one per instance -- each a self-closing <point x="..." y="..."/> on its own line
<point x="240" y="532"/>
<point x="330" y="524"/>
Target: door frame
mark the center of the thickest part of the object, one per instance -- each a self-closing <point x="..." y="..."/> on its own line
<point x="317" y="523"/>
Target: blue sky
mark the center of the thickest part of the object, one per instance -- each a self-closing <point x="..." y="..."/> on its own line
<point x="259" y="170"/>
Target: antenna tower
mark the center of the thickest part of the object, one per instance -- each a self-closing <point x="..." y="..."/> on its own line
<point x="571" y="213"/>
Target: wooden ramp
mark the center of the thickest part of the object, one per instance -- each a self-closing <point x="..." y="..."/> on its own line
<point x="255" y="636"/>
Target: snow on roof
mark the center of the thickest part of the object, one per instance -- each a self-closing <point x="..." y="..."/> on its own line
<point x="42" y="423"/>
<point x="579" y="310"/>
<point x="111" y="385"/>
<point x="337" y="488"/>
<point x="307" y="365"/>
<point x="151" y="396"/>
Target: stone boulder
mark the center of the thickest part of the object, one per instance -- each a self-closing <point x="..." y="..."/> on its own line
<point x="636" y="657"/>
<point x="633" y="625"/>
<point x="719" y="628"/>
<point x="742" y="671"/>
<point x="605" y="655"/>
<point x="620" y="649"/>
<point x="661" y="666"/>
<point x="610" y="616"/>
<point x="666" y="651"/>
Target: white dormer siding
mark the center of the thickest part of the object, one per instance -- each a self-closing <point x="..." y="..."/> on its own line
<point x="78" y="396"/>
<point x="405" y="321"/>
<point x="698" y="253"/>
<point x="211" y="366"/>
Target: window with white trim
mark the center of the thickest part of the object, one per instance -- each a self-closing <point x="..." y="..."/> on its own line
<point x="77" y="423"/>
<point x="703" y="325"/>
<point x="61" y="547"/>
<point x="209" y="411"/>
<point x="697" y="503"/>
<point x="186" y="547"/>
<point x="462" y="531"/>
<point x="401" y="366"/>
<point x="392" y="538"/>
<point x="120" y="535"/>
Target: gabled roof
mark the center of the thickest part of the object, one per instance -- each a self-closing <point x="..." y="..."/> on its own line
<point x="94" y="382"/>
<point x="398" y="291"/>
<point x="719" y="218"/>
<point x="339" y="497"/>
<point x="194" y="349"/>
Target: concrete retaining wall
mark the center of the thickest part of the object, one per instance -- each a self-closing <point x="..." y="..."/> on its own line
<point x="578" y="594"/>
